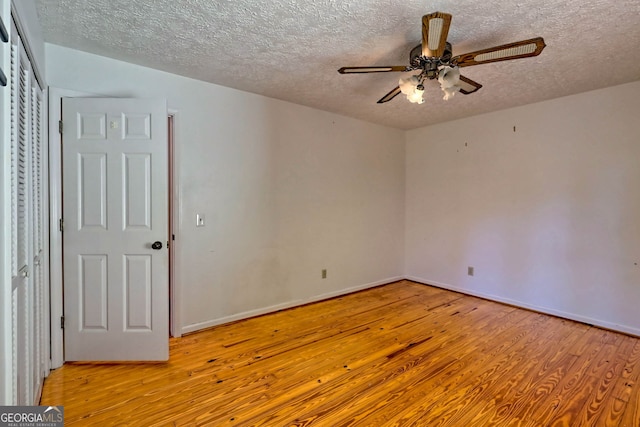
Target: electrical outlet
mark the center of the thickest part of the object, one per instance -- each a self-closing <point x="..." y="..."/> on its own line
<point x="470" y="271"/>
<point x="324" y="273"/>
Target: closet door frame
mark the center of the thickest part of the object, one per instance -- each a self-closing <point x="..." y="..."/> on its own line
<point x="25" y="325"/>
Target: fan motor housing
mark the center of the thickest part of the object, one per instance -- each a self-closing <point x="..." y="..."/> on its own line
<point x="416" y="53"/>
<point x="418" y="61"/>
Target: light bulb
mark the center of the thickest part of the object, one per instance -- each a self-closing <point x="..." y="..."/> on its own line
<point x="416" y="97"/>
<point x="449" y="92"/>
<point x="408" y="85"/>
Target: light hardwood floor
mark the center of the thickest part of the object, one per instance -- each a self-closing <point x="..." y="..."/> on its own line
<point x="403" y="354"/>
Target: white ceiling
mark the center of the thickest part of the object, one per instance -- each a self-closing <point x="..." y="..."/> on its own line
<point x="291" y="49"/>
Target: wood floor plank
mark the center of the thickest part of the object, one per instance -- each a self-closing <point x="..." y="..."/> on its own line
<point x="402" y="354"/>
<point x="478" y="382"/>
<point x="405" y="388"/>
<point x="539" y="372"/>
<point x="363" y="361"/>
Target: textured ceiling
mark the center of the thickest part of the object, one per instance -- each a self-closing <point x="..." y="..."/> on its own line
<point x="291" y="49"/>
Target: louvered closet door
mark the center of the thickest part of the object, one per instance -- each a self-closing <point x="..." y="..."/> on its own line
<point x="20" y="243"/>
<point x="27" y="240"/>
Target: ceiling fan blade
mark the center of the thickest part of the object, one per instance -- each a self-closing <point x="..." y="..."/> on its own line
<point x="388" y="97"/>
<point x="435" y="29"/>
<point x="521" y="49"/>
<point x="358" y="70"/>
<point x="468" y="86"/>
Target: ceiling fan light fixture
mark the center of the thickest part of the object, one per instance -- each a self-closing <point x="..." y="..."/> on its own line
<point x="449" y="78"/>
<point x="412" y="87"/>
<point x="408" y="85"/>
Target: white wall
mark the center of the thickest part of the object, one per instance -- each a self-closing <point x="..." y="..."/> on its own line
<point x="547" y="214"/>
<point x="286" y="192"/>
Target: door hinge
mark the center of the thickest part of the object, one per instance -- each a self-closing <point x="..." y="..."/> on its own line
<point x="60" y="126"/>
<point x="61" y="322"/>
<point x="61" y="224"/>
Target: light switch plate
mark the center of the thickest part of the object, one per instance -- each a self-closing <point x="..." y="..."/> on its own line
<point x="199" y="220"/>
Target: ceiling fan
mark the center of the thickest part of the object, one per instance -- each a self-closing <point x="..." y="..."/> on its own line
<point x="433" y="58"/>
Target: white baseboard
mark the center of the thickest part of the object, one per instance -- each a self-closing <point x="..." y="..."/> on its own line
<point x="290" y="304"/>
<point x="545" y="310"/>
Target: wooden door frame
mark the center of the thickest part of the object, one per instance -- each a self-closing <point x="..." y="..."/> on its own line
<point x="56" y="301"/>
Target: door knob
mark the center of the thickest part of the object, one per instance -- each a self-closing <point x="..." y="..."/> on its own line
<point x="157" y="245"/>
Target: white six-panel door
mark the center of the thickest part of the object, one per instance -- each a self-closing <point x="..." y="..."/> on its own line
<point x="115" y="208"/>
